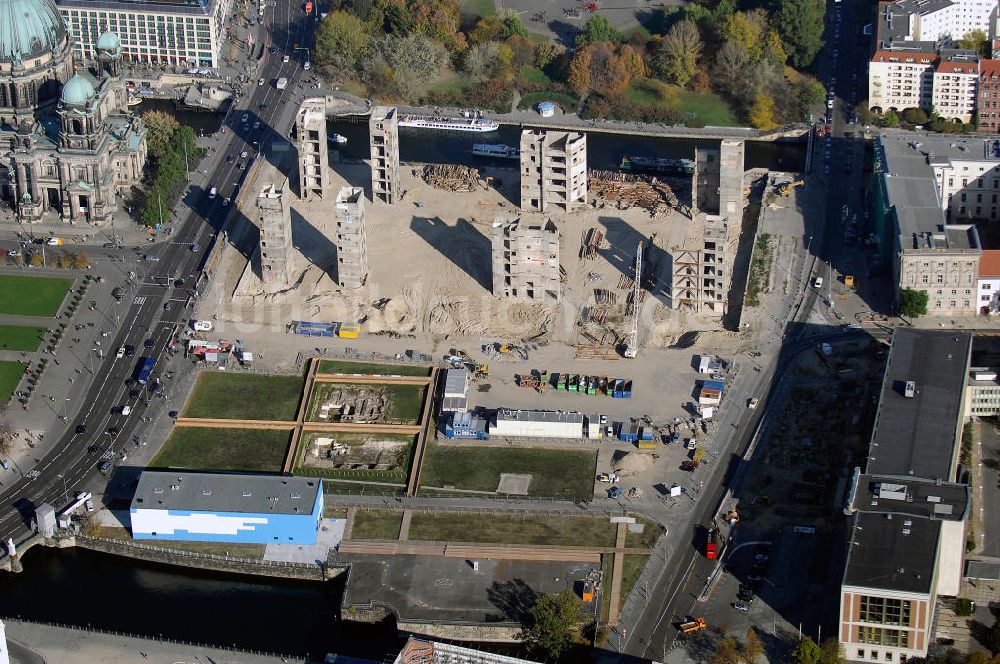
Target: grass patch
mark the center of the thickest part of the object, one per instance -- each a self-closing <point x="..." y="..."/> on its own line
<point x="335" y="488"/>
<point x="404" y="401"/>
<point x="566" y="474"/>
<point x="245" y="396"/>
<point x="376" y="524"/>
<point x="760" y="270"/>
<point x="699" y="108"/>
<point x="358" y="439"/>
<point x="334" y="512"/>
<point x="232" y="549"/>
<point x="32" y="296"/>
<point x="368" y="368"/>
<point x="476" y="9"/>
<point x="608" y="569"/>
<point x="647" y="538"/>
<point x="529" y="74"/>
<point x="10" y="376"/>
<point x="499" y="529"/>
<point x="224" y="449"/>
<point x="568" y="102"/>
<point x="20" y="337"/>
<point x="632" y="567"/>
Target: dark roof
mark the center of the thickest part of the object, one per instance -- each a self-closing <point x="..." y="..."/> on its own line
<point x="223" y="492"/>
<point x="907" y="497"/>
<point x="915" y="436"/>
<point x="882" y="556"/>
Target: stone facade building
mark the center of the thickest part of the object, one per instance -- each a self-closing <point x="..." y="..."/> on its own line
<point x="68" y="141"/>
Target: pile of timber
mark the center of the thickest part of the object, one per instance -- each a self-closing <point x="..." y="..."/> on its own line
<point x="626" y="190"/>
<point x="451" y="177"/>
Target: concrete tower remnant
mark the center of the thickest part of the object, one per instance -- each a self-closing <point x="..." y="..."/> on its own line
<point x="383" y="133"/>
<point x="526" y="259"/>
<point x="274" y="219"/>
<point x="731" y="178"/>
<point x="553" y="170"/>
<point x="310" y="130"/>
<point x="352" y="250"/>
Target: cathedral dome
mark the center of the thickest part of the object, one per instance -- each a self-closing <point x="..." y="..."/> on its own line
<point x="109" y="41"/>
<point x="29" y="28"/>
<point x="77" y="90"/>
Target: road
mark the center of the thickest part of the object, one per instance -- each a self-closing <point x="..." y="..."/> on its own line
<point x="69" y="465"/>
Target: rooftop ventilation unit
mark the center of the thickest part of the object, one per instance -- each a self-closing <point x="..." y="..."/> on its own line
<point x="891" y="491"/>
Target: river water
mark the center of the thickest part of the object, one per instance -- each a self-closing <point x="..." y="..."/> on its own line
<point x="85" y="588"/>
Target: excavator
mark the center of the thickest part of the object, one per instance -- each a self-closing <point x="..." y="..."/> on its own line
<point x="787" y="188"/>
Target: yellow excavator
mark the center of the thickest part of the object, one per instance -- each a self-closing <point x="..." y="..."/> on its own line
<point x="787" y="189"/>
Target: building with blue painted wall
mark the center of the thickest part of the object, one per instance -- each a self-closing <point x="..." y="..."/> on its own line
<point x="219" y="507"/>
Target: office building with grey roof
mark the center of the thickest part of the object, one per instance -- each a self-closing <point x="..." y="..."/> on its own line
<point x="928" y="190"/>
<point x="226" y="507"/>
<point x="907" y="508"/>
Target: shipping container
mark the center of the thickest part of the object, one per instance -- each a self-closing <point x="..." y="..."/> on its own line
<point x="311" y="329"/>
<point x="627" y="390"/>
<point x="560" y="381"/>
<point x="592" y="386"/>
<point x="574" y="383"/>
<point x="603" y="385"/>
<point x="617" y="392"/>
<point x="630" y="434"/>
<point x="348" y="331"/>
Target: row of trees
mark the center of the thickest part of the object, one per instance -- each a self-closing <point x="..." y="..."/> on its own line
<point x="173" y="152"/>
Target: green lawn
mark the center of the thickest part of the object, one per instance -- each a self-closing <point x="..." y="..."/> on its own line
<point x="20" y="337"/>
<point x="224" y="449"/>
<point x="245" y="397"/>
<point x="234" y="550"/>
<point x="649" y="534"/>
<point x="565" y="474"/>
<point x="369" y="368"/>
<point x="503" y="529"/>
<point x="632" y="567"/>
<point x="10" y="376"/>
<point x="702" y="108"/>
<point x="32" y="296"/>
<point x="568" y="102"/>
<point x="528" y="74"/>
<point x="477" y="9"/>
<point x="404" y="400"/>
<point x="376" y="524"/>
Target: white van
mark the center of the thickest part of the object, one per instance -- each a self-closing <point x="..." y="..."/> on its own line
<point x="202" y="325"/>
<point x="212" y="192"/>
<point x="126" y="410"/>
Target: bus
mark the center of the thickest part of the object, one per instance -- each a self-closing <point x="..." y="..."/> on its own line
<point x="146" y="365"/>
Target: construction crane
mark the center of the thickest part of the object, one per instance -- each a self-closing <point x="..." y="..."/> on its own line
<point x="786" y="189"/>
<point x="632" y="345"/>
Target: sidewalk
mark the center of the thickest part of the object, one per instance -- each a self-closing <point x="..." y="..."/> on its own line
<point x="80" y="646"/>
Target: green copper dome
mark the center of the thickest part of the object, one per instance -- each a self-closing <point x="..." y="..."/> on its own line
<point x="77" y="90"/>
<point x="109" y="41"/>
<point x="29" y="28"/>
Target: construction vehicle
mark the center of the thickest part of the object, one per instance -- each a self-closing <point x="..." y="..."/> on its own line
<point x="849" y="280"/>
<point x="787" y="189"/>
<point x="692" y="625"/>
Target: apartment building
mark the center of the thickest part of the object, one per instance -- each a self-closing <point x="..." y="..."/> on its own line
<point x="157" y="31"/>
<point x="988" y="284"/>
<point x="954" y="86"/>
<point x="982" y="383"/>
<point x="908" y="512"/>
<point x="988" y="96"/>
<point x="912" y="196"/>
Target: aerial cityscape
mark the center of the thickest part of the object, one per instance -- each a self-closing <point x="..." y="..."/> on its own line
<point x="499" y="331"/>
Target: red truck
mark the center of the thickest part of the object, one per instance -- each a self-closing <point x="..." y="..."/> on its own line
<point x="712" y="543"/>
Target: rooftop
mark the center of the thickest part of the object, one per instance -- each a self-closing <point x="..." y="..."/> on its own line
<point x="505" y="414"/>
<point x="989" y="263"/>
<point x="915" y="436"/>
<point x="223" y="492"/>
<point x="193" y="7"/>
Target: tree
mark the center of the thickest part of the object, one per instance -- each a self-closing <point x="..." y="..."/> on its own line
<point x="800" y="25"/>
<point x="762" y="112"/>
<point x="608" y="74"/>
<point x="726" y="652"/>
<point x="488" y="28"/>
<point x="731" y="63"/>
<point x="915" y="116"/>
<point x="913" y="303"/>
<point x="81" y="261"/>
<point x="597" y="29"/>
<point x="551" y="622"/>
<point x="774" y="50"/>
<point x="160" y="127"/>
<point x="632" y="61"/>
<point x="752" y="647"/>
<point x="748" y="29"/>
<point x="512" y="23"/>
<point x="976" y="40"/>
<point x="578" y="78"/>
<point x="340" y="40"/>
<point x="890" y="119"/>
<point x="831" y="652"/>
<point x="677" y="58"/>
<point x="397" y="65"/>
<point x="480" y="61"/>
<point x="806" y="652"/>
<point x="37" y="260"/>
<point x="546" y="52"/>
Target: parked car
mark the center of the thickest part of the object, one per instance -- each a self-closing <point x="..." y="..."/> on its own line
<point x="81" y="428"/>
<point x="741" y="607"/>
<point x="616" y="492"/>
<point x="689" y="465"/>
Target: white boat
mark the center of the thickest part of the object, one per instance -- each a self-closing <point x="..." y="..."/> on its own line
<point x="497" y="150"/>
<point x="473" y="123"/>
<point x="337" y="139"/>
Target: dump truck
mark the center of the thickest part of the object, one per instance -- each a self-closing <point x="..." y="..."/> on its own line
<point x="693" y="625"/>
